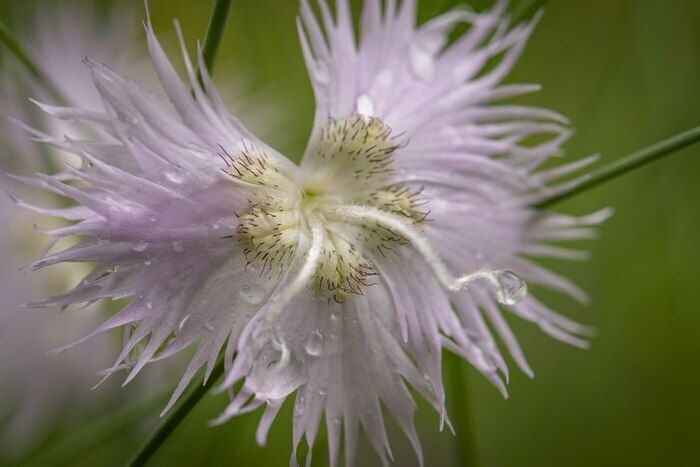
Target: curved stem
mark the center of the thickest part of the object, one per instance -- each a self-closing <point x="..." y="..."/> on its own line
<point x="175" y="417"/>
<point x="25" y="59"/>
<point x="627" y="163"/>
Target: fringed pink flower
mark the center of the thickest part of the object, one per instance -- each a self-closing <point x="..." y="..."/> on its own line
<point x="403" y="231"/>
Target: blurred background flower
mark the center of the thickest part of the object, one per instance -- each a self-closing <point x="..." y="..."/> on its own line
<point x="626" y="73"/>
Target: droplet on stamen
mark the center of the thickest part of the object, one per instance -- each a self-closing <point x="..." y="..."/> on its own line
<point x="512" y="288"/>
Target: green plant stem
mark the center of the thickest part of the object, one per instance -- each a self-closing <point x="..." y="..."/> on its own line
<point x="215" y="31"/>
<point x="465" y="447"/>
<point x="627" y="163"/>
<point x="93" y="433"/>
<point x="23" y="56"/>
<point x="175" y="417"/>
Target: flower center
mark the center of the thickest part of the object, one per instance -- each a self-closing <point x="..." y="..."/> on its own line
<point x="350" y="164"/>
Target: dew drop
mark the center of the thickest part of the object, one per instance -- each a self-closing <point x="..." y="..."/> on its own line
<point x="365" y="106"/>
<point x="174" y="177"/>
<point x="140" y="246"/>
<point x="217" y="224"/>
<point x="314" y="344"/>
<point x="182" y="323"/>
<point x="177" y="246"/>
<point x="148" y="262"/>
<point x="321" y="392"/>
<point x="149" y="304"/>
<point x="322" y="74"/>
<point x="512" y="288"/>
<point x="422" y="63"/>
<point x="253" y="295"/>
<point x="209" y="324"/>
<point x="300" y="406"/>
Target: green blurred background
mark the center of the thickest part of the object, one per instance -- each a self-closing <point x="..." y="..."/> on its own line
<point x="627" y="73"/>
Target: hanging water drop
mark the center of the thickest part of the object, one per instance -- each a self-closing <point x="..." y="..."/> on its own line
<point x="512" y="288"/>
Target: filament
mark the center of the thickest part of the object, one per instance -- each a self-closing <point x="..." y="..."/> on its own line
<point x="505" y="294"/>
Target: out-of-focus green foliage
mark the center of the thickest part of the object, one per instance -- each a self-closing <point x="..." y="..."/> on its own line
<point x="627" y="73"/>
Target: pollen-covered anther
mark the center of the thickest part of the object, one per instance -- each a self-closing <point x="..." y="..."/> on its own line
<point x="254" y="166"/>
<point x="343" y="270"/>
<point x="353" y="153"/>
<point x="401" y="200"/>
<point x="269" y="239"/>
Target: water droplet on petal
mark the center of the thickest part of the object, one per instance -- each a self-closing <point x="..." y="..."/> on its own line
<point x="365" y="106"/>
<point x="217" y="224"/>
<point x="322" y="392"/>
<point x="253" y="295"/>
<point x="173" y="177"/>
<point x="299" y="406"/>
<point x="182" y="323"/>
<point x="149" y="304"/>
<point x="422" y="63"/>
<point x="140" y="246"/>
<point x="314" y="344"/>
<point x="209" y="324"/>
<point x="321" y="74"/>
<point x="177" y="246"/>
<point x="147" y="262"/>
<point x="512" y="288"/>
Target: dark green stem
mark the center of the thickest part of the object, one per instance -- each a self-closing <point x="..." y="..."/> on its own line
<point x="215" y="32"/>
<point x="176" y="415"/>
<point x="23" y="56"/>
<point x="627" y="163"/>
<point x="465" y="447"/>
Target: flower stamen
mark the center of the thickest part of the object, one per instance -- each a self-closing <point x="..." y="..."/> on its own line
<point x="509" y="287"/>
<point x="295" y="286"/>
